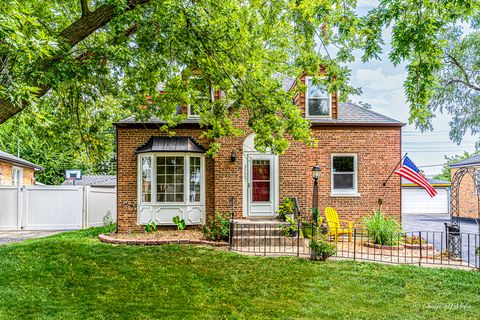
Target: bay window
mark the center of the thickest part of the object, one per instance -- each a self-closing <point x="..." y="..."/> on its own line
<point x="171" y="178"/>
<point x="344" y="174"/>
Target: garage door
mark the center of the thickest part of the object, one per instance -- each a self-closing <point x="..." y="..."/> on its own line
<point x="417" y="201"/>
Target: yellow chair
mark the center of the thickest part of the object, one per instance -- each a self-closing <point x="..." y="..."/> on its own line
<point x="334" y="227"/>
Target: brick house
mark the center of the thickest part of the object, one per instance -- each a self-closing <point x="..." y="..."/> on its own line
<point x="468" y="205"/>
<point x="16" y="171"/>
<point x="160" y="177"/>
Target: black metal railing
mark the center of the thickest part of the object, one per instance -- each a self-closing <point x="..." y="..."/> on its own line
<point x="412" y="247"/>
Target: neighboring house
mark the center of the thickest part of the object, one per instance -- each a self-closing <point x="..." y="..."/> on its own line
<point x="160" y="177"/>
<point x="467" y="193"/>
<point x="93" y="180"/>
<point x="16" y="171"/>
<point x="415" y="200"/>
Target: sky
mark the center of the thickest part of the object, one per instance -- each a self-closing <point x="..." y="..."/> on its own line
<point x="382" y="86"/>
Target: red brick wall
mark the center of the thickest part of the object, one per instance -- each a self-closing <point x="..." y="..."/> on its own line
<point x="377" y="149"/>
<point x="467" y="197"/>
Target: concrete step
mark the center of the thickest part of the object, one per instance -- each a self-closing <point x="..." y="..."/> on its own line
<point x="256" y="241"/>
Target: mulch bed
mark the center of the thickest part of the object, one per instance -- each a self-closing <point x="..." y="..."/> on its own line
<point x="160" y="237"/>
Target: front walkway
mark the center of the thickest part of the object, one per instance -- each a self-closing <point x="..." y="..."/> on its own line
<point x="17" y="236"/>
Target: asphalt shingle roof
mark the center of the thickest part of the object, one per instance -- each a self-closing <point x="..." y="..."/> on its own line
<point x="7" y="157"/>
<point x="470" y="162"/>
<point x="93" y="180"/>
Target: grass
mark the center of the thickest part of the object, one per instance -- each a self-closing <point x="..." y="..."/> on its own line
<point x="73" y="275"/>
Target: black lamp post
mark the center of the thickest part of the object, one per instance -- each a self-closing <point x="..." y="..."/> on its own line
<point x="316" y="174"/>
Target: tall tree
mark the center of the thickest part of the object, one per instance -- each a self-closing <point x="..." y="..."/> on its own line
<point x="134" y="45"/>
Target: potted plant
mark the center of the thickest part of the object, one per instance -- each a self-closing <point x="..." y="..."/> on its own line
<point x="291" y="230"/>
<point x="321" y="248"/>
<point x="286" y="209"/>
<point x="310" y="229"/>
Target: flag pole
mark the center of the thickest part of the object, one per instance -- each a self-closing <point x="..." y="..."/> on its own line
<point x="385" y="183"/>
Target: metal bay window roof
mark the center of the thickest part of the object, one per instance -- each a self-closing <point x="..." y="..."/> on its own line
<point x="170" y="144"/>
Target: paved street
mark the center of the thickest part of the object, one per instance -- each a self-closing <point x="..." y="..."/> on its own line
<point x="17" y="236"/>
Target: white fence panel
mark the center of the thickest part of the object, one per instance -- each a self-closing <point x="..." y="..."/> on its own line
<point x="100" y="201"/>
<point x="9" y="208"/>
<point x="53" y="207"/>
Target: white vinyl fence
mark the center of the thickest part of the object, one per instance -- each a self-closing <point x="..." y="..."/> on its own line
<point x="55" y="207"/>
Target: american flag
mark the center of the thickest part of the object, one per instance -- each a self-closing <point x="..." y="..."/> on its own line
<point x="409" y="171"/>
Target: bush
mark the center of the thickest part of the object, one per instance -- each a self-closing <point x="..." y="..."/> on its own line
<point x="217" y="229"/>
<point x="382" y="231"/>
<point x="108" y="219"/>
<point x="322" y="248"/>
<point x="477" y="251"/>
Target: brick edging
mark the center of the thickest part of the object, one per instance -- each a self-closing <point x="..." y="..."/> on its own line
<point x="156" y="242"/>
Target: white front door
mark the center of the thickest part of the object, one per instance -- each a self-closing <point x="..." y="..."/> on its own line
<point x="261" y="185"/>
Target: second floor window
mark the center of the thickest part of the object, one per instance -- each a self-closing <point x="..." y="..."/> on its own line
<point x="318" y="100"/>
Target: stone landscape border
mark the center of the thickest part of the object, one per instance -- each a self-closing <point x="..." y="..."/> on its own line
<point x="156" y="242"/>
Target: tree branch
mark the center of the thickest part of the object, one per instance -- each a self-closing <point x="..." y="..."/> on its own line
<point x="73" y="34"/>
<point x="84" y="6"/>
<point x="465" y="82"/>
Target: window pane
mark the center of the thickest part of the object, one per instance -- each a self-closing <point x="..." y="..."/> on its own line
<point x="170" y="184"/>
<point x="261" y="180"/>
<point x="146" y="179"/>
<point x="317" y="90"/>
<point x="343" y="164"/>
<point x="318" y="107"/>
<point x="343" y="181"/>
<point x="195" y="179"/>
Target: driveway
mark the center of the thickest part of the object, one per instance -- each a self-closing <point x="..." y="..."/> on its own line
<point x="17" y="236"/>
<point x="435" y="225"/>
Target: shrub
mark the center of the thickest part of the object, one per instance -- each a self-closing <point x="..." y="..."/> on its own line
<point x="382" y="231"/>
<point x="151" y="226"/>
<point x="477" y="251"/>
<point x="108" y="219"/>
<point x="322" y="248"/>
<point x="292" y="229"/>
<point x="217" y="229"/>
<point x="179" y="222"/>
<point x="287" y="207"/>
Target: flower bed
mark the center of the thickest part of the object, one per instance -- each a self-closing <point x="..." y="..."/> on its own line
<point x="160" y="237"/>
<point x="378" y="246"/>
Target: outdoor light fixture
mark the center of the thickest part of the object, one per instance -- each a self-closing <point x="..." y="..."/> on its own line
<point x="316" y="172"/>
<point x="233" y="156"/>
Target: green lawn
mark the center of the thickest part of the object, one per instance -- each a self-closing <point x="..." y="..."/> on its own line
<point x="73" y="275"/>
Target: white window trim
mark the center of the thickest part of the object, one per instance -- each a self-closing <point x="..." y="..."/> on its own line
<point x="20" y="178"/>
<point x="186" y="179"/>
<point x="345" y="192"/>
<point x="306" y="104"/>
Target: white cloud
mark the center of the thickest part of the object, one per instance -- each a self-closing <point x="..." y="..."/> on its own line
<point x="378" y="80"/>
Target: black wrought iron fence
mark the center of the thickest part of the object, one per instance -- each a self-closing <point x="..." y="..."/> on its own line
<point x="413" y="247"/>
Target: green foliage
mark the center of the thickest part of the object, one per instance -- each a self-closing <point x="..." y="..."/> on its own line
<point x="217" y="229"/>
<point x="286" y="207"/>
<point x="315" y="215"/>
<point x="477" y="251"/>
<point x="446" y="174"/>
<point x="382" y="231"/>
<point x="180" y="223"/>
<point x="151" y="226"/>
<point x="291" y="230"/>
<point x="322" y="248"/>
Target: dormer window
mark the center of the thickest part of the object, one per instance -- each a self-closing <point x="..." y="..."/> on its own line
<point x="318" y="103"/>
<point x="204" y="95"/>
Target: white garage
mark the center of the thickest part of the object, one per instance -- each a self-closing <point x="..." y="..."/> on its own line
<point x="415" y="200"/>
